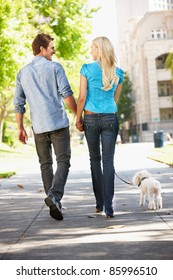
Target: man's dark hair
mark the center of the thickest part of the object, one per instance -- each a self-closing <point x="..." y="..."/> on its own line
<point x="41" y="40"/>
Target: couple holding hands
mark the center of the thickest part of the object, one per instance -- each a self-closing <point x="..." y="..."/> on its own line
<point x="44" y="85"/>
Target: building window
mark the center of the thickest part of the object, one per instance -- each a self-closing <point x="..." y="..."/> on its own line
<point x="144" y="126"/>
<point x="156" y="5"/>
<point x="160" y="61"/>
<point x="165" y="88"/>
<point x="166" y="114"/>
<point x="158" y="33"/>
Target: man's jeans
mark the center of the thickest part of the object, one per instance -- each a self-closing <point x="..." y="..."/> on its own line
<point x="60" y="140"/>
<point x="102" y="129"/>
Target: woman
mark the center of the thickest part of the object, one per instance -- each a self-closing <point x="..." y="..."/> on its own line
<point x="100" y="86"/>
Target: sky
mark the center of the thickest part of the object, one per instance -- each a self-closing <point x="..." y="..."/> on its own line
<point x="104" y="21"/>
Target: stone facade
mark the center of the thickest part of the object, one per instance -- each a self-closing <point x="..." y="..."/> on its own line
<point x="147" y="42"/>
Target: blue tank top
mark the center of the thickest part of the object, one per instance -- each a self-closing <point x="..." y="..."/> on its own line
<point x="97" y="99"/>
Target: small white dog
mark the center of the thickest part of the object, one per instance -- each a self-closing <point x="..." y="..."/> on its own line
<point x="149" y="187"/>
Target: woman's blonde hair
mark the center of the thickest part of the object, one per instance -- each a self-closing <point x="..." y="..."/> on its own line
<point x="106" y="57"/>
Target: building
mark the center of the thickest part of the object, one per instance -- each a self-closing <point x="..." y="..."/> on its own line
<point x="146" y="38"/>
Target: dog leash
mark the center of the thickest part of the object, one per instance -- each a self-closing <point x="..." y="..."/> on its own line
<point x="128" y="183"/>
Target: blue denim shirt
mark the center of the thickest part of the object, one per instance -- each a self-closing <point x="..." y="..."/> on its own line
<point x="97" y="99"/>
<point x="43" y="83"/>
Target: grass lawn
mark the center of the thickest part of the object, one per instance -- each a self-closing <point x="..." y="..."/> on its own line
<point x="7" y="174"/>
<point x="163" y="154"/>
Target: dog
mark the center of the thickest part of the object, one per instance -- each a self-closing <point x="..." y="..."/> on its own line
<point x="149" y="187"/>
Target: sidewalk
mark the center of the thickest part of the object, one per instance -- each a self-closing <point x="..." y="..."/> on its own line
<point x="27" y="231"/>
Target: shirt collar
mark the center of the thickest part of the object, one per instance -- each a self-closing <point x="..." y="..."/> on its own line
<point x="39" y="57"/>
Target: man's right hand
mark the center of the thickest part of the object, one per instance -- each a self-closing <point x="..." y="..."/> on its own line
<point x="22" y="135"/>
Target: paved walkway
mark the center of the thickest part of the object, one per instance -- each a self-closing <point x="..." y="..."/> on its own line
<point x="27" y="231"/>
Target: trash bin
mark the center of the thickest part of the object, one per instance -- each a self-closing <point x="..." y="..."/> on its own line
<point x="158" y="139"/>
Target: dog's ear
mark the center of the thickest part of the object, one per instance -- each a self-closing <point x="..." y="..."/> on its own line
<point x="135" y="179"/>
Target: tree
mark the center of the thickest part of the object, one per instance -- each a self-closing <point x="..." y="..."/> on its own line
<point x="125" y="103"/>
<point x="10" y="51"/>
<point x="69" y="21"/>
<point x="169" y="63"/>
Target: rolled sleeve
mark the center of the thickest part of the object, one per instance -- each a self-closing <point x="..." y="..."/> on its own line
<point x="19" y="97"/>
<point x="62" y="82"/>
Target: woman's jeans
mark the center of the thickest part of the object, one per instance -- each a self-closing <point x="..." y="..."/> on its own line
<point x="60" y="140"/>
<point x="101" y="133"/>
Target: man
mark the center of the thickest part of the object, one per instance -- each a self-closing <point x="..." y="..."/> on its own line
<point x="43" y="83"/>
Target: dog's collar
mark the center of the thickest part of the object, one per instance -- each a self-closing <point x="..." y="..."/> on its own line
<point x="142" y="180"/>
